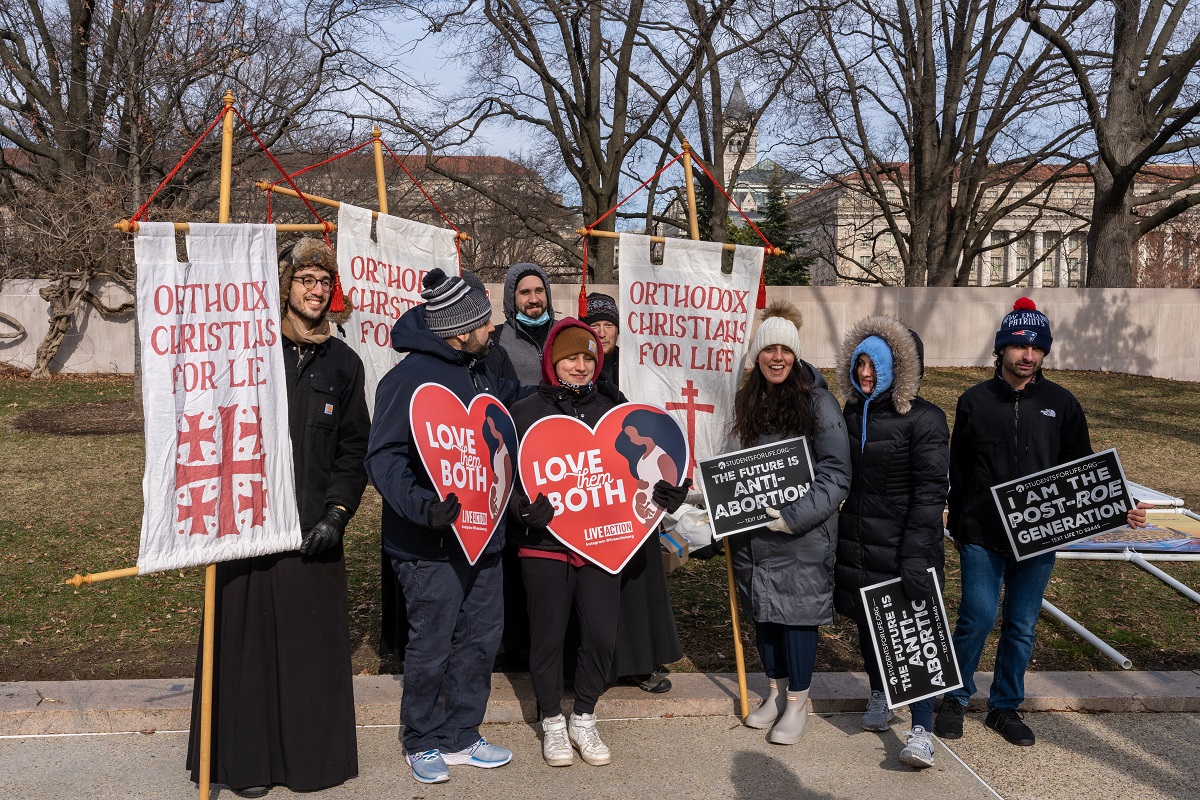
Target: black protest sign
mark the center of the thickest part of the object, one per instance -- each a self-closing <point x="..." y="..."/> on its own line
<point x="912" y="642"/>
<point x="1052" y="508"/>
<point x="740" y="486"/>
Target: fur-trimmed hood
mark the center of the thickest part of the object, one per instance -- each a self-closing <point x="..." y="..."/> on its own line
<point x="907" y="354"/>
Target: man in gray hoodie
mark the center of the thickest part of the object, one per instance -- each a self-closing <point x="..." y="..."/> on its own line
<point x="528" y="317"/>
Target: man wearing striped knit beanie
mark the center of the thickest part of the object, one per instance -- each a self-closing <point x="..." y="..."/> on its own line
<point x="455" y="609"/>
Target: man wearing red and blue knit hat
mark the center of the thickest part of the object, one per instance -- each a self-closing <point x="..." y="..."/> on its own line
<point x="1017" y="423"/>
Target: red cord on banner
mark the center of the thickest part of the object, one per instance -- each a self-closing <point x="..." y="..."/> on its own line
<point x="590" y="228"/>
<point x="417" y="183"/>
<point x="583" y="289"/>
<point x="436" y="207"/>
<point x="337" y="302"/>
<point x="643" y="185"/>
<point x="138" y="214"/>
<point x="762" y="276"/>
<point x="329" y="160"/>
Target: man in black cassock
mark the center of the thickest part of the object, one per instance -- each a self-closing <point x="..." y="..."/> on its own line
<point x="283" y="699"/>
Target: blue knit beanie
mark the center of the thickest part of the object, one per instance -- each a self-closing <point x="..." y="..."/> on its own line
<point x="1024" y="325"/>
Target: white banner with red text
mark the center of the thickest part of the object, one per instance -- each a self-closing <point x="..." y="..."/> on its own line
<point x="684" y="329"/>
<point x="382" y="279"/>
<point x="219" y="483"/>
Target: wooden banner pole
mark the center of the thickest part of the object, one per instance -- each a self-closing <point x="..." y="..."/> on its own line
<point x="380" y="183"/>
<point x="325" y="201"/>
<point x="131" y="226"/>
<point x="738" y="654"/>
<point x="771" y="251"/>
<point x="693" y="221"/>
<point x="210" y="572"/>
<point x="78" y="580"/>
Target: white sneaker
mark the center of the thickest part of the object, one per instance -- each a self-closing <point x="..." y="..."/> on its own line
<point x="878" y="714"/>
<point x="919" y="752"/>
<point x="556" y="748"/>
<point x="583" y="734"/>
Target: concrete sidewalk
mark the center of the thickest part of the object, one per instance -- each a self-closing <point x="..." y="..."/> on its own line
<point x="74" y="707"/>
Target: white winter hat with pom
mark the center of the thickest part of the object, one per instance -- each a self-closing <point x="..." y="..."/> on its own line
<point x="781" y="325"/>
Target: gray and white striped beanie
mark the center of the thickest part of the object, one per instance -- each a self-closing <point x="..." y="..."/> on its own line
<point x="452" y="307"/>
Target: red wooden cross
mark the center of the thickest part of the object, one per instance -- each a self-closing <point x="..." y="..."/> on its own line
<point x="690" y="393"/>
<point x="223" y="506"/>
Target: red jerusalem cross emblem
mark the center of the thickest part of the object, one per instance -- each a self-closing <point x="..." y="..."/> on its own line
<point x="690" y="393"/>
<point x="220" y="475"/>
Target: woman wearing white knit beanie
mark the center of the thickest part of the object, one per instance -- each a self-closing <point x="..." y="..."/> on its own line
<point x="784" y="570"/>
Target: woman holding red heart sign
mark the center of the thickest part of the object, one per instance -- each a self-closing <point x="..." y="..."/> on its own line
<point x="556" y="578"/>
<point x="784" y="570"/>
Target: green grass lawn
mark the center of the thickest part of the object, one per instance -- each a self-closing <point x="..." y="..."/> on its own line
<point x="73" y="504"/>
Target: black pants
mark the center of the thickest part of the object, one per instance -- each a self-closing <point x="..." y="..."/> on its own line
<point x="551" y="588"/>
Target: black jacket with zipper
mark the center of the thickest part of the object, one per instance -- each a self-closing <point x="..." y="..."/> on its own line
<point x="1001" y="434"/>
<point x="327" y="416"/>
<point x="547" y="402"/>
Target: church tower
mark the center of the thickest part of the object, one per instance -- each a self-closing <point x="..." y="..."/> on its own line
<point x="739" y="133"/>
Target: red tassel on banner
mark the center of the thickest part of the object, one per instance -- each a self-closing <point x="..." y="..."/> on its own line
<point x="762" y="290"/>
<point x="337" y="303"/>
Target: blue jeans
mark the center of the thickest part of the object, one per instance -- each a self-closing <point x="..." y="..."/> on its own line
<point x="984" y="571"/>
<point x="455" y="619"/>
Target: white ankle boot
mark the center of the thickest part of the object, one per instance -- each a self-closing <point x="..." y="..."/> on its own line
<point x="583" y="734"/>
<point x="772" y="706"/>
<point x="556" y="749"/>
<point x="790" y="727"/>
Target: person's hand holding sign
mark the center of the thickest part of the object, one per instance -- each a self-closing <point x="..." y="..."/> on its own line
<point x="776" y="524"/>
<point x="914" y="578"/>
<point x="536" y="514"/>
<point x="1136" y="517"/>
<point x="670" y="497"/>
<point x="443" y="513"/>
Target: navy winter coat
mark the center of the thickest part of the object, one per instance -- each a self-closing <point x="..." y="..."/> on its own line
<point x="393" y="463"/>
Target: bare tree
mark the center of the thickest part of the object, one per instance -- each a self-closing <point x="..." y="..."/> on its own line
<point x="936" y="115"/>
<point x="101" y="97"/>
<point x="759" y="43"/>
<point x="574" y="75"/>
<point x="1141" y="95"/>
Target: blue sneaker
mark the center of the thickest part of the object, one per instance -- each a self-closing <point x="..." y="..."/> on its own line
<point x="428" y="767"/>
<point x="480" y="754"/>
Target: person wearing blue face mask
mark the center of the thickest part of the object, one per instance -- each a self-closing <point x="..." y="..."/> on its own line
<point x="891" y="523"/>
<point x="528" y="314"/>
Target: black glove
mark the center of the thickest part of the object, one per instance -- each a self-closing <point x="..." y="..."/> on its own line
<point x="671" y="497"/>
<point x="442" y="513"/>
<point x="536" y="514"/>
<point x="326" y="533"/>
<point x="914" y="578"/>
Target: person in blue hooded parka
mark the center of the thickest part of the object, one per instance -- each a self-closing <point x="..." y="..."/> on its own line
<point x="891" y="523"/>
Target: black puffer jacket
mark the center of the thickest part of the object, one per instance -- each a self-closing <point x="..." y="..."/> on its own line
<point x="900" y="463"/>
<point x="1001" y="434"/>
<point x="553" y="399"/>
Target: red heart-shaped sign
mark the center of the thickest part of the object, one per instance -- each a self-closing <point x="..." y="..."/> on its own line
<point x="600" y="480"/>
<point x="467" y="451"/>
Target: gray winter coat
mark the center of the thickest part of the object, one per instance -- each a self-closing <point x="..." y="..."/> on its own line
<point x="788" y="578"/>
<point x="524" y="350"/>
